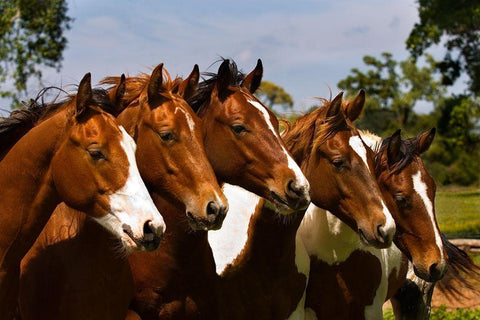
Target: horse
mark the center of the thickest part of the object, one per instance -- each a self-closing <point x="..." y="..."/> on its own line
<point x="171" y="160"/>
<point x="74" y="153"/>
<point x="266" y="277"/>
<point x="243" y="145"/>
<point x="351" y="281"/>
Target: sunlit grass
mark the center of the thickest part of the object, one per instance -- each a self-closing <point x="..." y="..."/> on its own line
<point x="442" y="313"/>
<point x="458" y="213"/>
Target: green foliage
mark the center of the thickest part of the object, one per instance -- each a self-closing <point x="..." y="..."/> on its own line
<point x="457" y="24"/>
<point x="32" y="37"/>
<point x="454" y="157"/>
<point x="272" y="94"/>
<point x="442" y="313"/>
<point x="457" y="213"/>
<point x="392" y="90"/>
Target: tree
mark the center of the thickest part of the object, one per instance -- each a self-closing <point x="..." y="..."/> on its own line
<point x="32" y="38"/>
<point x="393" y="89"/>
<point x="272" y="94"/>
<point x="457" y="23"/>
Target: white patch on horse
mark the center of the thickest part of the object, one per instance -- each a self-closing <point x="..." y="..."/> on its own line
<point x="326" y="237"/>
<point x="390" y="259"/>
<point x="357" y="145"/>
<point x="421" y="188"/>
<point x="302" y="261"/>
<point x="190" y="122"/>
<point x="228" y="242"/>
<point x="310" y="314"/>
<point x="301" y="180"/>
<point x="131" y="205"/>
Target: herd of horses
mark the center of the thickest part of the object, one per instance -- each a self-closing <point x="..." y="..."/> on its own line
<point x="114" y="206"/>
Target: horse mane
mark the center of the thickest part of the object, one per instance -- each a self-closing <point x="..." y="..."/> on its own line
<point x="136" y="85"/>
<point x="199" y="101"/>
<point x="408" y="150"/>
<point x="312" y="129"/>
<point x="19" y="122"/>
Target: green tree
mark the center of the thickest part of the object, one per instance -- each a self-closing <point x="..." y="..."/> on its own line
<point x="456" y="23"/>
<point x="272" y="95"/>
<point x="393" y="89"/>
<point x="32" y="38"/>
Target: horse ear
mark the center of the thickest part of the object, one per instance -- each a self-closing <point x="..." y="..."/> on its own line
<point x="354" y="107"/>
<point x="116" y="96"/>
<point x="335" y="108"/>
<point x="425" y="140"/>
<point x="253" y="80"/>
<point x="155" y="83"/>
<point x="189" y="86"/>
<point x="224" y="79"/>
<point x="84" y="95"/>
<point x="393" y="149"/>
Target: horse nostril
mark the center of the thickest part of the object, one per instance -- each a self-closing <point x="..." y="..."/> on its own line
<point x="383" y="237"/>
<point x="293" y="189"/>
<point x="435" y="271"/>
<point x="212" y="209"/>
<point x="148" y="231"/>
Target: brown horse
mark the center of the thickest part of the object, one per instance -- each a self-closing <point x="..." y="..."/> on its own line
<point x="267" y="280"/>
<point x="172" y="162"/>
<point x="244" y="147"/>
<point x="351" y="281"/>
<point x="74" y="153"/>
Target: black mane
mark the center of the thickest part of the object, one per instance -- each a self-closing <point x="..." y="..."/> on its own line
<point x="205" y="88"/>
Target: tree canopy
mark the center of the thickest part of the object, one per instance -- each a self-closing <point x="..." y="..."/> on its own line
<point x="32" y="38"/>
<point x="456" y="23"/>
<point x="393" y="88"/>
<point x="272" y="95"/>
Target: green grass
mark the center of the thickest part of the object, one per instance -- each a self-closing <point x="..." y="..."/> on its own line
<point x="443" y="314"/>
<point x="458" y="213"/>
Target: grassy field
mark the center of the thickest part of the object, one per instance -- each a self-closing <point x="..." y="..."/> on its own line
<point x="444" y="314"/>
<point x="458" y="212"/>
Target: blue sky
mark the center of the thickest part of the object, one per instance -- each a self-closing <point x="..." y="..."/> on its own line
<point x="305" y="46"/>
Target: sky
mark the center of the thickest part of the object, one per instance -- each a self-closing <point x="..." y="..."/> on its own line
<point x="305" y="46"/>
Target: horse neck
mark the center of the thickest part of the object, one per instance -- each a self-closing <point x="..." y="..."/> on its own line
<point x="326" y="236"/>
<point x="29" y="195"/>
<point x="253" y="232"/>
<point x="181" y="242"/>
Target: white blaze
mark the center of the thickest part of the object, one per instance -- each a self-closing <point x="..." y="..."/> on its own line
<point x="301" y="180"/>
<point x="421" y="188"/>
<point x="190" y="122"/>
<point x="357" y="145"/>
<point x="131" y="205"/>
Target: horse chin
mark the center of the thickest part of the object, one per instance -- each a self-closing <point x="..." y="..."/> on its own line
<point x="198" y="224"/>
<point x="278" y="207"/>
<point x="129" y="244"/>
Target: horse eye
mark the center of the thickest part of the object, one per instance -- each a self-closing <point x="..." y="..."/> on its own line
<point x="96" y="154"/>
<point x="238" y="129"/>
<point x="338" y="163"/>
<point x="167" y="136"/>
<point x="401" y="200"/>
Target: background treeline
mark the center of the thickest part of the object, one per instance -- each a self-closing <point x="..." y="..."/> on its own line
<point x="395" y="87"/>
